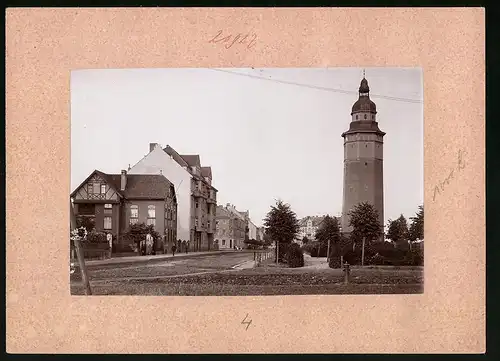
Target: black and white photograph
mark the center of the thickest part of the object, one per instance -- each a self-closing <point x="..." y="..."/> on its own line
<point x="246" y="181"/>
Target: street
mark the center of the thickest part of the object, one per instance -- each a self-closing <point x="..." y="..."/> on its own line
<point x="181" y="264"/>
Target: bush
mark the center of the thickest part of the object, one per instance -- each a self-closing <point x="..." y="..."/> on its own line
<point x="315" y="249"/>
<point x="283" y="249"/>
<point x="96" y="237"/>
<point x="295" y="256"/>
<point x="415" y="257"/>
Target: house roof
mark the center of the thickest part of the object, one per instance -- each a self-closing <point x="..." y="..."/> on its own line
<point x="138" y="186"/>
<point x="192" y="159"/>
<point x="177" y="157"/>
<point x="222" y="212"/>
<point x="206" y="172"/>
<point x="316" y="221"/>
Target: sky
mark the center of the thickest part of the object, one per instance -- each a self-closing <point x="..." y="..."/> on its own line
<point x="268" y="134"/>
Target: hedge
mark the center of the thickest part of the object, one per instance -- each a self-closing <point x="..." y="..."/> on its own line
<point x="295" y="256"/>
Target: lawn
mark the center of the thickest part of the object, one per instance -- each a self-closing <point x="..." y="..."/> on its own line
<point x="269" y="281"/>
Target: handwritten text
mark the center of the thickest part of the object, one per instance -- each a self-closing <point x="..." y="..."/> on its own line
<point x="229" y="40"/>
<point x="245" y="322"/>
<point x="438" y="189"/>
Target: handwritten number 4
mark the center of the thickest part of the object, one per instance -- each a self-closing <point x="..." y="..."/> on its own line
<point x="245" y="322"/>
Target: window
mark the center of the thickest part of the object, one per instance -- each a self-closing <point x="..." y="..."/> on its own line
<point x="107" y="222"/>
<point x="223" y="242"/>
<point x="108" y="208"/>
<point x="103" y="188"/>
<point x="196" y="223"/>
<point x="151" y="215"/>
<point x="134" y="214"/>
<point x="356" y="117"/>
<point x="196" y="204"/>
<point x="151" y="211"/>
<point x="366" y="116"/>
<point x="208" y="224"/>
<point x="90" y="188"/>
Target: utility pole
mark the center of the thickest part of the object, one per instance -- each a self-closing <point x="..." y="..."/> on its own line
<point x="328" y="251"/>
<point x="83" y="268"/>
<point x="363" y="253"/>
<point x="79" y="252"/>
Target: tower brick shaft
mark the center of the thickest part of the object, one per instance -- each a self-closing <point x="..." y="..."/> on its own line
<point x="363" y="159"/>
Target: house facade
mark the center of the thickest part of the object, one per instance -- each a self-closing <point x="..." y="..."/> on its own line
<point x="308" y="227"/>
<point x="230" y="228"/>
<point x="260" y="234"/>
<point x="112" y="202"/>
<point x="197" y="198"/>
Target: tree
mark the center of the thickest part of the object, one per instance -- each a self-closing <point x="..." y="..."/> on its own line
<point x="281" y="225"/>
<point x="328" y="232"/>
<point x="365" y="225"/>
<point x="416" y="230"/>
<point x="305" y="240"/>
<point x="86" y="222"/>
<point x="398" y="231"/>
<point x="137" y="233"/>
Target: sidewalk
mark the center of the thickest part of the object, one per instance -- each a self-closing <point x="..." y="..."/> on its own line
<point x="159" y="257"/>
<point x="315" y="262"/>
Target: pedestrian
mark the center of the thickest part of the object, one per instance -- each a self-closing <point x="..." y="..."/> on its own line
<point x="187" y="247"/>
<point x="173" y="250"/>
<point x="184" y="246"/>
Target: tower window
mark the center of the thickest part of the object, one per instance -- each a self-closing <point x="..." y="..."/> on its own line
<point x="366" y="116"/>
<point x="366" y="163"/>
<point x="356" y="117"/>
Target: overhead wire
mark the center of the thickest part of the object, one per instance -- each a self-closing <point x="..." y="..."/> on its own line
<point x="407" y="100"/>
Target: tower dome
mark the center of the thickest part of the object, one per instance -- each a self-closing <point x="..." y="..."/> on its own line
<point x="364" y="104"/>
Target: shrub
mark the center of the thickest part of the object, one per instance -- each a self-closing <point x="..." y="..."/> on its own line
<point x="96" y="237"/>
<point x="334" y="261"/>
<point x="315" y="249"/>
<point x="295" y="256"/>
<point x="283" y="249"/>
<point x="334" y="258"/>
<point x="415" y="257"/>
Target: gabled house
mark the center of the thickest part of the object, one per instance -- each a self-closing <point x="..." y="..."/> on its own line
<point x="230" y="228"/>
<point x="308" y="227"/>
<point x="114" y="201"/>
<point x="197" y="198"/>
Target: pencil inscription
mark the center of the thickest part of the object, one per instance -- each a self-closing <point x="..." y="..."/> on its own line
<point x="245" y="322"/>
<point x="229" y="40"/>
<point x="440" y="187"/>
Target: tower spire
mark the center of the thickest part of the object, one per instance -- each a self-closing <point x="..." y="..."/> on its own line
<point x="363" y="73"/>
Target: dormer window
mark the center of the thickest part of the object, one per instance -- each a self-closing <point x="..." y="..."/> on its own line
<point x="103" y="188"/>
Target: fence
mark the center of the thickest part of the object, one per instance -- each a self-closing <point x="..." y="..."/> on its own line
<point x="261" y="256"/>
<point x="92" y="252"/>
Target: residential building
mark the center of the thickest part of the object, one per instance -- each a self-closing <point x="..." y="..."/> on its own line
<point x="251" y="228"/>
<point x="230" y="228"/>
<point x="260" y="234"/>
<point x="197" y="198"/>
<point x="308" y="227"/>
<point x="112" y="202"/>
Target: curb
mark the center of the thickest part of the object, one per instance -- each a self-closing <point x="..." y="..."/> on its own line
<point x="237" y="266"/>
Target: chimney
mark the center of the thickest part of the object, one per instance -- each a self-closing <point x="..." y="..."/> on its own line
<point x="152" y="146"/>
<point x="123" y="182"/>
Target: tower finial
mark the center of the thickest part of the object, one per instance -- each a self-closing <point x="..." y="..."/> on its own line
<point x="363" y="73"/>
